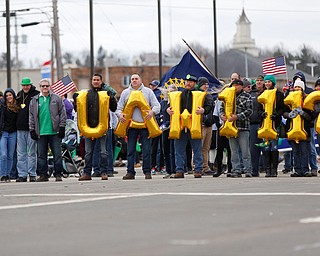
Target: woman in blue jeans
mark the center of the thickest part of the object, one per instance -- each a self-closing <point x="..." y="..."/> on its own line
<point x="8" y="128"/>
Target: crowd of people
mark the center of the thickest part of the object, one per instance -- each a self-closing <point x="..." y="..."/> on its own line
<point x="34" y="120"/>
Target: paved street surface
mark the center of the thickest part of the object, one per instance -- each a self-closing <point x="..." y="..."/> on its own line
<point x="207" y="216"/>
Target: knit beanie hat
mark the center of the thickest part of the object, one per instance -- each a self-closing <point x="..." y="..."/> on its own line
<point x="270" y="78"/>
<point x="300" y="84"/>
<point x="202" y="80"/>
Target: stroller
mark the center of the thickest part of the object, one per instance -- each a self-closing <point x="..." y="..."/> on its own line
<point x="71" y="163"/>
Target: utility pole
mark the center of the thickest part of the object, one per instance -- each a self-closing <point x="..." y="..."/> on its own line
<point x="8" y="44"/>
<point x="56" y="36"/>
<point x="160" y="43"/>
<point x="215" y="39"/>
<point x="91" y="40"/>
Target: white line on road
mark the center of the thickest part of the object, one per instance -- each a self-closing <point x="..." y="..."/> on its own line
<point x="108" y="196"/>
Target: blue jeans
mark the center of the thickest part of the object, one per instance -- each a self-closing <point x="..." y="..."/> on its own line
<point x="54" y="142"/>
<point x="131" y="150"/>
<point x="180" y="146"/>
<point x="255" y="151"/>
<point x="287" y="160"/>
<point x="312" y="151"/>
<point x="26" y="154"/>
<point x="110" y="151"/>
<point x="96" y="154"/>
<point x="96" y="158"/>
<point x="8" y="146"/>
<point x="91" y="149"/>
<point x="300" y="157"/>
<point x="168" y="151"/>
<point x="240" y="144"/>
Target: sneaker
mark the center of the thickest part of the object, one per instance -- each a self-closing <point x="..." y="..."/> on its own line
<point x="284" y="171"/>
<point x="104" y="176"/>
<point x="42" y="178"/>
<point x="148" y="176"/>
<point x="179" y="175"/>
<point x="236" y="175"/>
<point x="153" y="171"/>
<point x="197" y="175"/>
<point x="58" y="178"/>
<point x="295" y="175"/>
<point x="163" y="171"/>
<point x="128" y="176"/>
<point x="95" y="174"/>
<point x="85" y="177"/>
<point x="248" y="175"/>
<point x="314" y="173"/>
<point x="307" y="174"/>
<point x="21" y="179"/>
<point x="167" y="176"/>
<point x="32" y="179"/>
<point x="209" y="172"/>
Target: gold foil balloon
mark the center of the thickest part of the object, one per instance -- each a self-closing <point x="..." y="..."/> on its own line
<point x="309" y="102"/>
<point x="228" y="96"/>
<point x="137" y="100"/>
<point x="296" y="131"/>
<point x="196" y="120"/>
<point x="186" y="120"/>
<point x="267" y="130"/>
<point x="103" y="125"/>
<point x="175" y="125"/>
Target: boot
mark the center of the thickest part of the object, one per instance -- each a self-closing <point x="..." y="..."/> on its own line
<point x="267" y="162"/>
<point x="274" y="163"/>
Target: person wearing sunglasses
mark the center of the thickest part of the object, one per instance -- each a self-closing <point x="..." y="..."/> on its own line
<point x="47" y="121"/>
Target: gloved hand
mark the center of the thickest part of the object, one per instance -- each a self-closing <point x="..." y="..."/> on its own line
<point x="317" y="107"/>
<point x="294" y="113"/>
<point x="273" y="117"/>
<point x="264" y="115"/>
<point x="33" y="135"/>
<point x="62" y="131"/>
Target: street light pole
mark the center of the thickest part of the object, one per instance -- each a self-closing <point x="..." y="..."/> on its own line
<point x="8" y="44"/>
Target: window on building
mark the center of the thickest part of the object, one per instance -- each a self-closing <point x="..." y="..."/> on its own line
<point x="126" y="81"/>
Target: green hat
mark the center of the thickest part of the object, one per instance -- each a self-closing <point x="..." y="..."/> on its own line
<point x="26" y="81"/>
<point x="270" y="78"/>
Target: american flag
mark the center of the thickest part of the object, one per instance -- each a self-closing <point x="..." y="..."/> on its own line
<point x="274" y="66"/>
<point x="63" y="86"/>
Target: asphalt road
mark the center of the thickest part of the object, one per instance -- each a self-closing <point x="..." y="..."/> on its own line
<point x="207" y="216"/>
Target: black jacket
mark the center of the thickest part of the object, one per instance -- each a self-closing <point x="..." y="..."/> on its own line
<point x="23" y="101"/>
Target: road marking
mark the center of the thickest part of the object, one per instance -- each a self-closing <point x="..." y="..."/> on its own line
<point x="310" y="220"/>
<point x="108" y="196"/>
<point x="8" y="207"/>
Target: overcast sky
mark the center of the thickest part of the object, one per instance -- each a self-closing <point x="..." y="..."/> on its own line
<point x="130" y="26"/>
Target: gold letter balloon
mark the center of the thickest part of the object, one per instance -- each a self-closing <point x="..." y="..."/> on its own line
<point x="267" y="130"/>
<point x="103" y="125"/>
<point x="309" y="102"/>
<point x="228" y="96"/>
<point x="137" y="100"/>
<point x="296" y="132"/>
<point x="186" y="120"/>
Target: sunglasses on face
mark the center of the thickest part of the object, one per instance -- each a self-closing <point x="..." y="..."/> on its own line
<point x="45" y="85"/>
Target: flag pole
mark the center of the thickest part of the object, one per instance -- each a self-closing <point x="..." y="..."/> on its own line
<point x="285" y="63"/>
<point x="190" y="48"/>
<point x="73" y="82"/>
